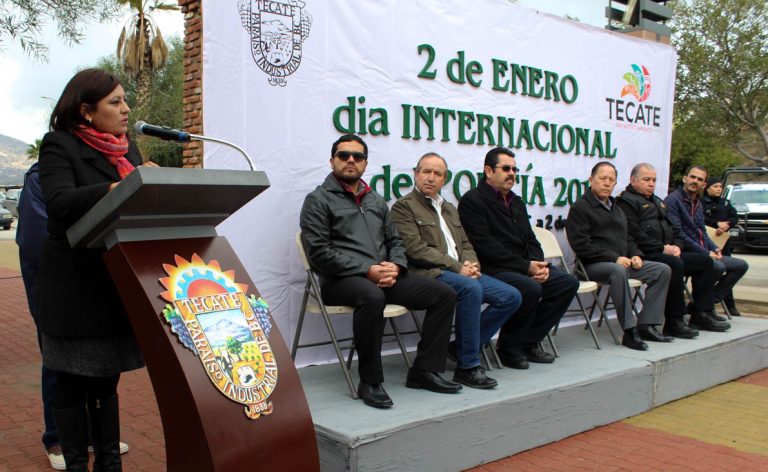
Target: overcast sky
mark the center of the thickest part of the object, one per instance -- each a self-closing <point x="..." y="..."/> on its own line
<point x="28" y="89"/>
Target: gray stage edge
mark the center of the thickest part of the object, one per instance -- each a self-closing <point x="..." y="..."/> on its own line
<point x="585" y="388"/>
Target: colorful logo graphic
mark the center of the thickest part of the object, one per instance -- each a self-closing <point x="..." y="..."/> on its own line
<point x="227" y="330"/>
<point x="277" y="29"/>
<point x="638" y="83"/>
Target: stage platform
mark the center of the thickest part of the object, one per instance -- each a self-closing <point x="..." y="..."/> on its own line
<point x="585" y="388"/>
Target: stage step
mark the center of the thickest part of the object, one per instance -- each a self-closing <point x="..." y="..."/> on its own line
<point x="585" y="388"/>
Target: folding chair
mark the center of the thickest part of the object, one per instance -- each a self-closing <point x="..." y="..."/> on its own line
<point x="552" y="250"/>
<point x="634" y="284"/>
<point x="316" y="305"/>
<point x="720" y="241"/>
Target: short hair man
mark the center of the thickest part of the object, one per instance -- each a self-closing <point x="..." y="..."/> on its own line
<point x="356" y="250"/>
<point x="497" y="224"/>
<point x="655" y="235"/>
<point x="438" y="247"/>
<point x="597" y="232"/>
<point x="687" y="214"/>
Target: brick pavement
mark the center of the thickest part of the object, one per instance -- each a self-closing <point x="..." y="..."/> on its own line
<point x="21" y="424"/>
<point x="722" y="429"/>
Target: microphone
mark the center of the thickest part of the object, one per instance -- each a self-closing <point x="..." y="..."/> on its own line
<point x="162" y="132"/>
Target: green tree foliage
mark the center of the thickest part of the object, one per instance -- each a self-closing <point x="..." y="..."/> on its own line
<point x="722" y="79"/>
<point x="164" y="104"/>
<point x="693" y="144"/>
<point x="23" y="20"/>
<point x="234" y="347"/>
<point x="33" y="151"/>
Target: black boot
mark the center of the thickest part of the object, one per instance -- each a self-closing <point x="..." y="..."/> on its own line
<point x="105" y="434"/>
<point x="72" y="425"/>
<point x="632" y="340"/>
<point x="705" y="321"/>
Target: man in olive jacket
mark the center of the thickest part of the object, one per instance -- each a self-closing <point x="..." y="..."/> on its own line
<point x="497" y="224"/>
<point x="654" y="234"/>
<point x="353" y="245"/>
<point x="437" y="247"/>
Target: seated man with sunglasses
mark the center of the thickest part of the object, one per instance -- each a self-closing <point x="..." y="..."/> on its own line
<point x="353" y="245"/>
<point x="496" y="221"/>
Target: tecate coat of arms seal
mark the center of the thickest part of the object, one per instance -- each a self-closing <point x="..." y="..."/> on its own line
<point x="226" y="329"/>
<point x="277" y="29"/>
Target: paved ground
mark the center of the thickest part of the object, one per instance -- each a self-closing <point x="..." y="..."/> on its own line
<point x="722" y="429"/>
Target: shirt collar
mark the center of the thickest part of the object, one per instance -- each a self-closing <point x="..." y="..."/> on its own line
<point x="437" y="200"/>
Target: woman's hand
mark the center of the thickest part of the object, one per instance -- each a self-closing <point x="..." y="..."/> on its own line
<point x="149" y="164"/>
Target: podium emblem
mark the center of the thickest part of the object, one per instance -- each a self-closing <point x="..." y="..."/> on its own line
<point x="277" y="29"/>
<point x="226" y="329"/>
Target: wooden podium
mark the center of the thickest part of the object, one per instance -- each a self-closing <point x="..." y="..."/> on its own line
<point x="228" y="392"/>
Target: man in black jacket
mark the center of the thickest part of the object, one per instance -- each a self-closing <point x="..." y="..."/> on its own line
<point x="353" y="245"/>
<point x="659" y="240"/>
<point x="496" y="221"/>
<point x="597" y="232"/>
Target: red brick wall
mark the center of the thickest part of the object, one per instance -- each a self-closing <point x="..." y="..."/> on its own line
<point x="193" y="79"/>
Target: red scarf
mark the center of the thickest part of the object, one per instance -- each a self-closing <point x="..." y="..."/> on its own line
<point x="113" y="148"/>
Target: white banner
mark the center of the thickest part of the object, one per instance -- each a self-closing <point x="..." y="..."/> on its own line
<point x="285" y="78"/>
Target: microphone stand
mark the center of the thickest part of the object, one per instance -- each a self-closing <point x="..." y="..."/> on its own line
<point x="197" y="137"/>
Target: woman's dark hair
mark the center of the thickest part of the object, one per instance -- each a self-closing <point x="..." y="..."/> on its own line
<point x="87" y="86"/>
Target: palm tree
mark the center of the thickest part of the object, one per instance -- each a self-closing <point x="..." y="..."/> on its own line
<point x="33" y="151"/>
<point x="141" y="48"/>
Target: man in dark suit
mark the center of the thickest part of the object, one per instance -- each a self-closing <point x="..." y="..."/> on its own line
<point x="597" y="232"/>
<point x="496" y="221"/>
<point x="355" y="248"/>
<point x="660" y="241"/>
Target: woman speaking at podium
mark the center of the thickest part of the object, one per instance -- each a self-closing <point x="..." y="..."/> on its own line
<point x="87" y="338"/>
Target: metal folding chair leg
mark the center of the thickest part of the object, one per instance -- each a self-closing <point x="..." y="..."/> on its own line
<point x="587" y="319"/>
<point x="725" y="308"/>
<point x="400" y="343"/>
<point x="337" y="348"/>
<point x="603" y="316"/>
<point x="494" y="355"/>
<point x="552" y="344"/>
<point x="485" y="358"/>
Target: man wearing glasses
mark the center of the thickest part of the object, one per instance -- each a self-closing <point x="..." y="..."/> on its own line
<point x="438" y="247"/>
<point x="353" y="245"/>
<point x="498" y="227"/>
<point x="686" y="212"/>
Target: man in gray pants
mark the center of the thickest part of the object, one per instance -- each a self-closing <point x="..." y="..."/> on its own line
<point x="597" y="233"/>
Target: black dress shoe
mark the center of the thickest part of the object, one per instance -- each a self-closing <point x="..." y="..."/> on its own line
<point x="716" y="317"/>
<point x="430" y="381"/>
<point x="678" y="329"/>
<point x="474" y="377"/>
<point x="374" y="395"/>
<point x="711" y="313"/>
<point x="518" y="361"/>
<point x="632" y="340"/>
<point x="650" y="333"/>
<point x="703" y="321"/>
<point x="734" y="311"/>
<point x="538" y="355"/>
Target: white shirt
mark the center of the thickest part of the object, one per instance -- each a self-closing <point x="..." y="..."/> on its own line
<point x="437" y="203"/>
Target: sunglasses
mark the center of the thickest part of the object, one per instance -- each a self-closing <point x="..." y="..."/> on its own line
<point x="514" y="169"/>
<point x="345" y="155"/>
